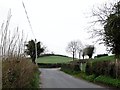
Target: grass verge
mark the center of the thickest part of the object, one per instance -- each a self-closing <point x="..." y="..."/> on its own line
<point x="104" y="80"/>
<point x="108" y="81"/>
<point x="71" y="72"/>
<point x="35" y="81"/>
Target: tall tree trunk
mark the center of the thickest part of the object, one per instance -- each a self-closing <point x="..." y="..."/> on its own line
<point x="83" y="56"/>
<point x="73" y="55"/>
<point x="79" y="55"/>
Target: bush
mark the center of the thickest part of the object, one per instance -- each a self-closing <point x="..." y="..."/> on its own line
<point x="19" y="73"/>
<point x="88" y="68"/>
<point x="90" y="78"/>
<point x="100" y="68"/>
<point x="71" y="67"/>
<point x="76" y="67"/>
<point x="106" y="68"/>
<point x="49" y="65"/>
<point x="101" y="55"/>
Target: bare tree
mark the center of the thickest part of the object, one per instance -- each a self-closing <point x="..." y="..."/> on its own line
<point x="72" y="48"/>
<point x="108" y="16"/>
<point x="84" y="52"/>
<point x="99" y="19"/>
<point x="45" y="49"/>
<point x="79" y="48"/>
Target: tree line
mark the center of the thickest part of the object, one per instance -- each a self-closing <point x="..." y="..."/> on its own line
<point x="108" y="16"/>
<point x="75" y="47"/>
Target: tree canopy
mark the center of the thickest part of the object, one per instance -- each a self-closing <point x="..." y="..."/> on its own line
<point x="109" y="17"/>
<point x="112" y="31"/>
<point x="74" y="47"/>
<point x="32" y="51"/>
<point x="89" y="50"/>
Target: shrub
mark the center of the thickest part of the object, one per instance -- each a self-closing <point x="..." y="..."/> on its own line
<point x="100" y="68"/>
<point x="107" y="68"/>
<point x="18" y="73"/>
<point x="101" y="55"/>
<point x="71" y="67"/>
<point x="88" y="68"/>
<point x="49" y="65"/>
<point x="76" y="67"/>
<point x="90" y="78"/>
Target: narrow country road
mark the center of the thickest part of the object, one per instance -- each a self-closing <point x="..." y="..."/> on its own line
<point x="53" y="78"/>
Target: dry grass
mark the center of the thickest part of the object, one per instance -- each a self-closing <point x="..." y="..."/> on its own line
<point x="18" y="73"/>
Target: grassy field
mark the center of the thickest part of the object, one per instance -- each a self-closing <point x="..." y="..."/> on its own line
<point x="105" y="58"/>
<point x="54" y="59"/>
<point x="62" y="59"/>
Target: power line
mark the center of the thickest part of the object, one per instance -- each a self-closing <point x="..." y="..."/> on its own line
<point x="31" y="30"/>
<point x="28" y="19"/>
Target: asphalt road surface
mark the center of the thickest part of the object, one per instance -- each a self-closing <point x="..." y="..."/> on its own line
<point x="53" y="78"/>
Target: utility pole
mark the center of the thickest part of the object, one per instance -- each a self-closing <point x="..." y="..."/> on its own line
<point x="35" y="50"/>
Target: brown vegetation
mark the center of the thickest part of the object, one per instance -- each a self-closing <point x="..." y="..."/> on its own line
<point x="18" y="73"/>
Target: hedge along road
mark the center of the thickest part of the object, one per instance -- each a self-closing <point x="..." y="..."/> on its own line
<point x="53" y="78"/>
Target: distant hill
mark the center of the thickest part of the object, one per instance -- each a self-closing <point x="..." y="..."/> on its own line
<point x="53" y="58"/>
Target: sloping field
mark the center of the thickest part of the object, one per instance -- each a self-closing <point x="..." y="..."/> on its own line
<point x="54" y="59"/>
<point x="105" y="58"/>
<point x="63" y="59"/>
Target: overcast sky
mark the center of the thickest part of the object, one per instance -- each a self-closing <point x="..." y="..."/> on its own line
<point x="54" y="22"/>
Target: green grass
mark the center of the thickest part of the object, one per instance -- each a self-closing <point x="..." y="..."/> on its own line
<point x="108" y="81"/>
<point x="62" y="59"/>
<point x="54" y="59"/>
<point x="79" y="74"/>
<point x="70" y="72"/>
<point x="35" y="81"/>
<point x="105" y="58"/>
